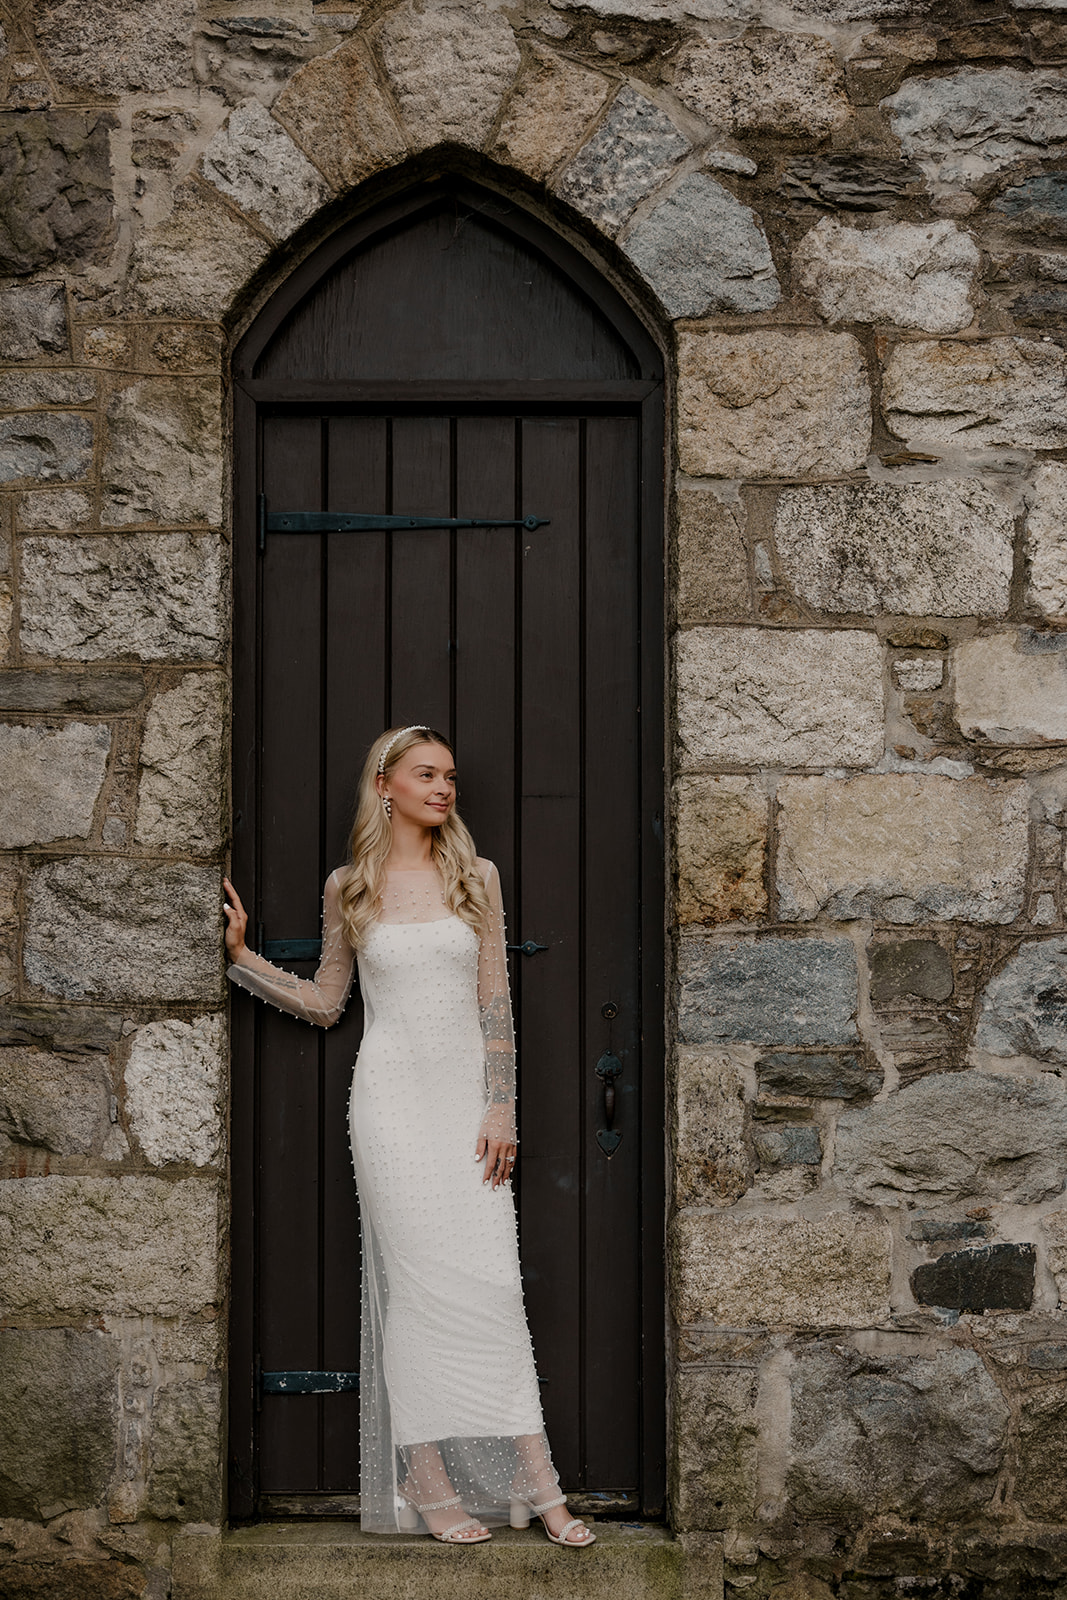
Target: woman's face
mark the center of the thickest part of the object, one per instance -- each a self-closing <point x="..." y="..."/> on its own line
<point x="422" y="784"/>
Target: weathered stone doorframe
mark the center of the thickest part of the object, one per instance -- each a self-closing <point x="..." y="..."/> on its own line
<point x="656" y="477"/>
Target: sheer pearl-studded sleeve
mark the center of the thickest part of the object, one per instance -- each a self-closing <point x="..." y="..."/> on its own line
<point x="494" y="1009"/>
<point x="320" y="999"/>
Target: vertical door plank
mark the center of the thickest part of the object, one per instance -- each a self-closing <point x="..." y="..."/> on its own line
<point x="611" y="943"/>
<point x="290" y="777"/>
<point x="356" y="697"/>
<point x="421" y="658"/>
<point x="485" y="654"/>
<point x="550" y="913"/>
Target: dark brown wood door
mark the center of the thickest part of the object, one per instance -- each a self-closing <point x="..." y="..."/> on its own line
<point x="530" y="649"/>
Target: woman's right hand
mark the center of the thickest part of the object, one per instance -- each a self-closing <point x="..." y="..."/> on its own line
<point x="236" y="921"/>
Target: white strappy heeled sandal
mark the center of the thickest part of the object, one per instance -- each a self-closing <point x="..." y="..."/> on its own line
<point x="467" y="1531"/>
<point x="520" y="1518"/>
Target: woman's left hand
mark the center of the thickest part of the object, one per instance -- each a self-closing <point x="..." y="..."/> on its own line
<point x="499" y="1160"/>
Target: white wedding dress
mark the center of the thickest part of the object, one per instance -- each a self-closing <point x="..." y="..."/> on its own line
<point x="449" y="1403"/>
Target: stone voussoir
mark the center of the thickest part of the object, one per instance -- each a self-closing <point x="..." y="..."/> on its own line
<point x="335" y="111"/>
<point x="254" y="163"/>
<point x="549" y="113"/>
<point x="449" y="70"/>
<point x="632" y="152"/>
<point x="700" y="250"/>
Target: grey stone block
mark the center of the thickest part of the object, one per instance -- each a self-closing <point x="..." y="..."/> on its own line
<point x="1011" y="687"/>
<point x="632" y="151"/>
<point x="808" y="697"/>
<point x="715" y="1449"/>
<point x="163" y="458"/>
<point x="856" y="183"/>
<point x="937" y="1228"/>
<point x="767" y="81"/>
<point x="918" y="1436"/>
<point x="70" y="691"/>
<point x="110" y="929"/>
<point x="999" y="1277"/>
<point x="50" y="1102"/>
<point x="787" y="1144"/>
<point x="712" y="1163"/>
<point x="156" y="597"/>
<point x="1037" y="206"/>
<point x="173" y="1082"/>
<point x="1008" y="1141"/>
<point x="701" y="250"/>
<point x="184" y="1478"/>
<point x="823" y="1077"/>
<point x="179" y="799"/>
<point x="972" y="122"/>
<point x="772" y="403"/>
<point x="109" y="47"/>
<point x="902" y="968"/>
<point x="50" y="780"/>
<point x="33" y="320"/>
<point x="1040" y="1483"/>
<point x="923" y="549"/>
<point x="60" y="1027"/>
<point x="55" y="189"/>
<point x="1002" y="391"/>
<point x="916" y="275"/>
<point x="740" y="1271"/>
<point x="253" y="161"/>
<point x="127" y="1246"/>
<point x="23" y="388"/>
<point x="1024" y="1008"/>
<point x="768" y="991"/>
<point x="902" y="848"/>
<point x="46" y="446"/>
<point x="58" y="1420"/>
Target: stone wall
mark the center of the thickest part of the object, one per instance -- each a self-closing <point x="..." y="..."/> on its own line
<point x="849" y="220"/>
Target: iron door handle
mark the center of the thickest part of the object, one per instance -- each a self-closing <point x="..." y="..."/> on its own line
<point x="608" y="1068"/>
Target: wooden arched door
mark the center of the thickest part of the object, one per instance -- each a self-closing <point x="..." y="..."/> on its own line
<point x="449" y="357"/>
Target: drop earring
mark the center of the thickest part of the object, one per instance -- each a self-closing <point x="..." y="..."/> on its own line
<point x="388" y="804"/>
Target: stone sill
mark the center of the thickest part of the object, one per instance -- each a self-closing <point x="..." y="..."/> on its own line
<point x="323" y="1560"/>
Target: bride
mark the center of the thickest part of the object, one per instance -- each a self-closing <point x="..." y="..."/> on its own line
<point x="451" y="1434"/>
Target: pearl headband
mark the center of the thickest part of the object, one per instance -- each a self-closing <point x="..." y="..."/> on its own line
<point x="417" y="727"/>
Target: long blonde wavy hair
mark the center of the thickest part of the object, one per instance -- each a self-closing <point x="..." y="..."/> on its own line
<point x="371" y="840"/>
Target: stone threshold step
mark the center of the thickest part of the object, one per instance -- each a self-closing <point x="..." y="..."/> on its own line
<point x="331" y="1560"/>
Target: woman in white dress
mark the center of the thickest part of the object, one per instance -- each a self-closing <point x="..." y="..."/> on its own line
<point x="451" y="1434"/>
